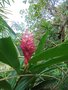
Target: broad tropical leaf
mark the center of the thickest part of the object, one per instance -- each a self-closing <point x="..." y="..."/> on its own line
<point x="4" y="25"/>
<point x="12" y="81"/>
<point x="46" y="84"/>
<point x="4" y="85"/>
<point x="41" y="67"/>
<point x="8" y="54"/>
<point x="49" y="57"/>
<point x="60" y="50"/>
<point x="42" y="42"/>
<point x="24" y="83"/>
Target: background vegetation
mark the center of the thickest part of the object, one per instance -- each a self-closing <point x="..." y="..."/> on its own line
<point x="48" y="67"/>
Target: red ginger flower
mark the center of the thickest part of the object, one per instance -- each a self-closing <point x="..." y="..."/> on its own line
<point x="27" y="46"/>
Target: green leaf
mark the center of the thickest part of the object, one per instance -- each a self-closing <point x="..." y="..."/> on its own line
<point x="5" y="85"/>
<point x="59" y="50"/>
<point x="45" y="84"/>
<point x="64" y="85"/>
<point x="41" y="67"/>
<point x="42" y="42"/>
<point x="23" y="83"/>
<point x="49" y="57"/>
<point x="8" y="54"/>
<point x="12" y="81"/>
<point x="4" y="25"/>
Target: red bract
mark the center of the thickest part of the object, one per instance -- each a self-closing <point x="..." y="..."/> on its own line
<point x="27" y="46"/>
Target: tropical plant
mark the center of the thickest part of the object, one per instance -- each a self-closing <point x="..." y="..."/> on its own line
<point x="46" y="69"/>
<point x="39" y="68"/>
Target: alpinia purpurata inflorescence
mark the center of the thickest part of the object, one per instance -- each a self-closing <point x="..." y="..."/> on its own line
<point x="27" y="46"/>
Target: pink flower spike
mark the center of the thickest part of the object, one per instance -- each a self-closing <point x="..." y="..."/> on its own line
<point x="27" y="45"/>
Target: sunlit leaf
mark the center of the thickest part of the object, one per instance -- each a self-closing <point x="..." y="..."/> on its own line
<point x="4" y="25"/>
